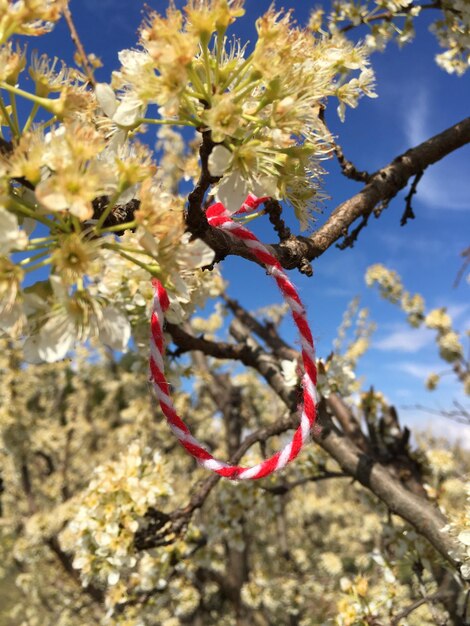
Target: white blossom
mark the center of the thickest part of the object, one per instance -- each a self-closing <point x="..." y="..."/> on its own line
<point x="11" y="236"/>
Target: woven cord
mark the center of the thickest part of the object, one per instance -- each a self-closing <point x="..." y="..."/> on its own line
<point x="218" y="217"/>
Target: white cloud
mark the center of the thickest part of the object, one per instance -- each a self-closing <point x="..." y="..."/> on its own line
<point x="416" y="118"/>
<point x="417" y="370"/>
<point x="344" y="270"/>
<point x="425" y="246"/>
<point x="404" y="394"/>
<point x="339" y="292"/>
<point x="114" y="15"/>
<point x="446" y="428"/>
<point x="444" y="185"/>
<point x="405" y="339"/>
<point x="422" y="415"/>
<point x="456" y="310"/>
<point x="460" y="433"/>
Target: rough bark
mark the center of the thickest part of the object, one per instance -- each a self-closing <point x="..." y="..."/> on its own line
<point x="381" y="187"/>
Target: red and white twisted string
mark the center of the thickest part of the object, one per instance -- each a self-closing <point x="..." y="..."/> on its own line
<point x="218" y="216"/>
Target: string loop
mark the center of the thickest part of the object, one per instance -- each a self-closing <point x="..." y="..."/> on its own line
<point x="218" y="216"/>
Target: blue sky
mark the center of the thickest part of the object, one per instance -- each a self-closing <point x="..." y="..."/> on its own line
<point x="416" y="100"/>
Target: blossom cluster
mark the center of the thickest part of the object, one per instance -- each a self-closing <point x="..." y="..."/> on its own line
<point x="265" y="120"/>
<point x="447" y="339"/>
<point x="102" y="531"/>
<point x="28" y="17"/>
<point x="453" y="34"/>
<point x="87" y="215"/>
<point x="232" y="501"/>
<point x="310" y="556"/>
<point x="51" y="222"/>
<point x="337" y="374"/>
<point x="464" y="538"/>
<point x="388" y="20"/>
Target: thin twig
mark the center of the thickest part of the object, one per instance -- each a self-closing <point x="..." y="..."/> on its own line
<point x="79" y="46"/>
<point x="460" y="414"/>
<point x="196" y="220"/>
<point x="466" y="256"/>
<point x="274" y="210"/>
<point x="351" y="238"/>
<point x="409" y="213"/>
<point x="412" y="607"/>
<point x="348" y="168"/>
<point x="283" y="488"/>
<point x="94" y="592"/>
<point x="266" y="332"/>
<point x="387" y="16"/>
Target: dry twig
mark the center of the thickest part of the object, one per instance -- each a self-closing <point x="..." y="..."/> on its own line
<point x="82" y="55"/>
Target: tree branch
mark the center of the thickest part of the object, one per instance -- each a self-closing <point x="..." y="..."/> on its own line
<point x="297" y="251"/>
<point x="383" y="185"/>
<point x="219" y="350"/>
<point x="349" y="424"/>
<point x="351" y="238"/>
<point x="195" y="217"/>
<point x="266" y="332"/>
<point x="414" y="509"/>
<point x="412" y="607"/>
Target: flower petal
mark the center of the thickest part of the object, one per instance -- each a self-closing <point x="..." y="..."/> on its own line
<point x="128" y="112"/>
<point x="106" y="98"/>
<point x="115" y="329"/>
<point x="232" y="191"/>
<point x="464" y="537"/>
<point x="55" y="340"/>
<point x="219" y="160"/>
<point x="10" y="235"/>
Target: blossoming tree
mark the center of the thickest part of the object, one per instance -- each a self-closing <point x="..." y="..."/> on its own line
<point x="104" y="519"/>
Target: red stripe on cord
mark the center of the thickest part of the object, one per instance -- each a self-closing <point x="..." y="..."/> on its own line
<point x="215" y="209"/>
<point x="269" y="466"/>
<point x="296" y="444"/>
<point x="218" y="221"/>
<point x="196" y="451"/>
<point x="309" y="367"/>
<point x="232" y="472"/>
<point x="162" y="294"/>
<point x="288" y="289"/>
<point x="158" y="377"/>
<point x="303" y="327"/>
<point x="156" y="332"/>
<point x="173" y="418"/>
<point x="265" y="257"/>
<point x="310" y="409"/>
